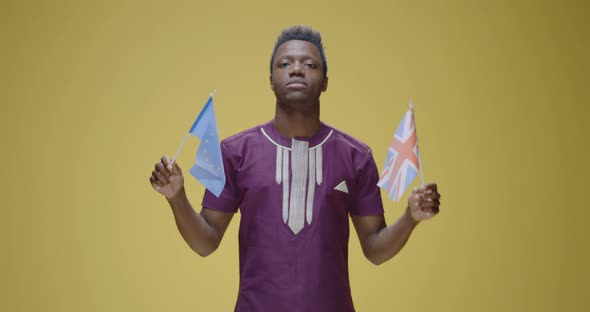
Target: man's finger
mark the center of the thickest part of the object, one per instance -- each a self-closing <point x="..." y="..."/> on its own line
<point x="431" y="204"/>
<point x="160" y="178"/>
<point x="154" y="183"/>
<point x="431" y="210"/>
<point x="166" y="162"/>
<point x="431" y="186"/>
<point x="431" y="196"/>
<point x="162" y="169"/>
<point x="154" y="178"/>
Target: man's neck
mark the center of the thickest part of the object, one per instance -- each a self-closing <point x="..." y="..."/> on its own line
<point x="297" y="123"/>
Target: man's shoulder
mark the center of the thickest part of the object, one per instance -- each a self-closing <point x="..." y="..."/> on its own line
<point x="345" y="140"/>
<point x="241" y="137"/>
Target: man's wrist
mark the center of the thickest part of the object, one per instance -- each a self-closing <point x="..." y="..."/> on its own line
<point x="409" y="218"/>
<point x="177" y="197"/>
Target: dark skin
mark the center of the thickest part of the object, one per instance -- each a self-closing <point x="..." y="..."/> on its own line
<point x="297" y="80"/>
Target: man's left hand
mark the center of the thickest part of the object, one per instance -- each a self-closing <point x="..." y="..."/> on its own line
<point x="424" y="202"/>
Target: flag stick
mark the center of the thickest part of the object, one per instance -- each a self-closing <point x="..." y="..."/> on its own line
<point x="417" y="145"/>
<point x="185" y="138"/>
<point x="180" y="148"/>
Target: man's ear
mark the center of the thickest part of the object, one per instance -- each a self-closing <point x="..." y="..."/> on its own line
<point x="270" y="80"/>
<point x="325" y="84"/>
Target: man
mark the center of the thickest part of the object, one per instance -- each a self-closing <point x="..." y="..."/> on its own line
<point x="295" y="180"/>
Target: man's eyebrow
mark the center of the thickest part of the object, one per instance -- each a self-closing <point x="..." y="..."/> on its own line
<point x="291" y="56"/>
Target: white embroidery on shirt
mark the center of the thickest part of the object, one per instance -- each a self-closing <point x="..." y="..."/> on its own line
<point x="279" y="166"/>
<point x="299" y="183"/>
<point x="318" y="164"/>
<point x="299" y="168"/>
<point x="285" y="168"/>
<point x="305" y="166"/>
<point x="310" y="186"/>
<point x="288" y="148"/>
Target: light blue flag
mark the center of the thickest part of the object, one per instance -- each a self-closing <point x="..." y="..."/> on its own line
<point x="208" y="167"/>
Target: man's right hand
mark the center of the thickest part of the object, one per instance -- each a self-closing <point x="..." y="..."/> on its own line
<point x="167" y="178"/>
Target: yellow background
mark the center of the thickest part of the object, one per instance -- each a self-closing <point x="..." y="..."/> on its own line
<point x="93" y="93"/>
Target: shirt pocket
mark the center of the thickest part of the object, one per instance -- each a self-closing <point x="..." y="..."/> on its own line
<point x="336" y="205"/>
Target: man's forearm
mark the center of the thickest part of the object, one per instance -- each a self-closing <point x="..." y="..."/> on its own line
<point x="195" y="230"/>
<point x="391" y="239"/>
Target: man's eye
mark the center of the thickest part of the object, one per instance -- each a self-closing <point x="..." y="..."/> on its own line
<point x="312" y="66"/>
<point x="283" y="65"/>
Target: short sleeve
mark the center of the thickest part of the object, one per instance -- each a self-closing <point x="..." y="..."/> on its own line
<point x="367" y="196"/>
<point x="229" y="199"/>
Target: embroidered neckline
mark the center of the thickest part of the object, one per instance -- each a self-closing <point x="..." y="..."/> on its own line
<point x="271" y="131"/>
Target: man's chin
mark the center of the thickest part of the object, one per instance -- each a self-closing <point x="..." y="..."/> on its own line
<point x="297" y="98"/>
<point x="300" y="96"/>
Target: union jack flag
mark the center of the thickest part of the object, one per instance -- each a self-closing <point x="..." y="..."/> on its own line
<point x="403" y="159"/>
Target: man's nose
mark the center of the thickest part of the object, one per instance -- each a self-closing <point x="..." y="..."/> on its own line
<point x="297" y="70"/>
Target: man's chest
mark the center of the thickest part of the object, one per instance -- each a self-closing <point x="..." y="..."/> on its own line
<point x="298" y="185"/>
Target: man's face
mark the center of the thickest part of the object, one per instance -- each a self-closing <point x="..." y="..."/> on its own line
<point x="298" y="72"/>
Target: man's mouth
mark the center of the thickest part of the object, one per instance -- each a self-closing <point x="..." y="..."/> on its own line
<point x="297" y="84"/>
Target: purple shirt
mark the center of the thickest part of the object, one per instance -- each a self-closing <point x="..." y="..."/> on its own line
<point x="294" y="197"/>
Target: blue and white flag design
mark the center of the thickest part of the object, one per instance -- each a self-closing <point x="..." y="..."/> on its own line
<point x="208" y="167"/>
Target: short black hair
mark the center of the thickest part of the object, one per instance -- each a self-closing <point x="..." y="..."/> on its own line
<point x="301" y="32"/>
